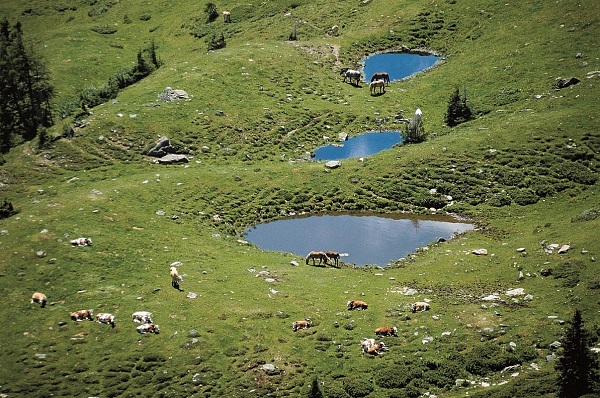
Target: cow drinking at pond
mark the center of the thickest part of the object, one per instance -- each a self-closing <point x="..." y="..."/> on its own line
<point x="321" y="256"/>
<point x="334" y="256"/>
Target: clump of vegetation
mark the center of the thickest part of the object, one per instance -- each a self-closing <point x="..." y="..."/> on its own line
<point x="216" y="41"/>
<point x="459" y="110"/>
<point x="210" y="10"/>
<point x="26" y="90"/>
<point x="577" y="365"/>
<point x="6" y="209"/>
<point x="414" y="131"/>
<point x="104" y="29"/>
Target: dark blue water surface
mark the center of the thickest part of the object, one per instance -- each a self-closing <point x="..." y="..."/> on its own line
<point x="367" y="239"/>
<point x="361" y="145"/>
<point x="397" y="65"/>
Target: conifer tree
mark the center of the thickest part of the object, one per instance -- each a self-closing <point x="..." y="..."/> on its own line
<point x="578" y="365"/>
<point x="458" y="110"/>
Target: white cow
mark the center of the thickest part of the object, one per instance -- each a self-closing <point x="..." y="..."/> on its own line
<point x="106" y="318"/>
<point x="81" y="242"/>
<point x="39" y="298"/>
<point x="142" y="317"/>
<point x="148" y="328"/>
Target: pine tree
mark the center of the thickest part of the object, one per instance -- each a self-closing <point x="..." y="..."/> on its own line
<point x="458" y="110"/>
<point x="577" y="365"/>
<point x="315" y="391"/>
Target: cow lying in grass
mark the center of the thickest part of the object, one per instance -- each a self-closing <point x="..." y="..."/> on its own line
<point x="82" y="315"/>
<point x="148" y="328"/>
<point x="357" y="305"/>
<point x="81" y="242"/>
<point x="142" y="317"/>
<point x="39" y="298"/>
<point x="419" y="306"/>
<point x="370" y="346"/>
<point x="386" y="331"/>
<point x="301" y="324"/>
<point x="106" y="318"/>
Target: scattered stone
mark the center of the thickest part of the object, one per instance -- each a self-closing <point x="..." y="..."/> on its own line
<point x="172" y="95"/>
<point x="41" y="254"/>
<point x="521" y="249"/>
<point x="564" y="83"/>
<point x="563" y="249"/>
<point x="270" y="369"/>
<point x="333" y="164"/>
<point x="162" y="147"/>
<point x="192" y="295"/>
<point x="172" y="158"/>
<point x="480" y="252"/>
<point x="515" y="292"/>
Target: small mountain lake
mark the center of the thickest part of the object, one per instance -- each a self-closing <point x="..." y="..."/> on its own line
<point x="359" y="146"/>
<point x="398" y="65"/>
<point x="367" y="239"/>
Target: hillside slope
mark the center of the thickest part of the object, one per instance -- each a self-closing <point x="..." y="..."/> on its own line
<point x="525" y="171"/>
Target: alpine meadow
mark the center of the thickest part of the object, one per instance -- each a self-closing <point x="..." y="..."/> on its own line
<point x="162" y="130"/>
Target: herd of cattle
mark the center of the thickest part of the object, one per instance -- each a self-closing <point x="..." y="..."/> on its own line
<point x="368" y="345"/>
<point x="378" y="80"/>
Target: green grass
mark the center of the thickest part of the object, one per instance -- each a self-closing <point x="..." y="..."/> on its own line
<point x="259" y="105"/>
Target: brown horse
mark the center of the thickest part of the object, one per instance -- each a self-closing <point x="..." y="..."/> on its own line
<point x="334" y="256"/>
<point x="375" y="84"/>
<point x="322" y="257"/>
<point x="381" y="76"/>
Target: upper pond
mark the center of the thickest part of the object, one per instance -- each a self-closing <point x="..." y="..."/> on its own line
<point x="361" y="145"/>
<point x="367" y="239"/>
<point x="397" y="65"/>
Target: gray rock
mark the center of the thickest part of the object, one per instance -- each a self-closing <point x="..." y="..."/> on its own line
<point x="172" y="158"/>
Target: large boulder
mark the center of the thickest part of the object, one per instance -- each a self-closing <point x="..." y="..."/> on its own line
<point x="172" y="158"/>
<point x="161" y="148"/>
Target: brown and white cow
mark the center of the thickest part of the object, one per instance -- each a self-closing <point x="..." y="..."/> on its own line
<point x="81" y="242"/>
<point x="142" y="317"/>
<point x="377" y="348"/>
<point x="148" y="328"/>
<point x="387" y="331"/>
<point x="366" y="343"/>
<point x="357" y="305"/>
<point x="226" y="16"/>
<point x="39" y="298"/>
<point x="106" y="318"/>
<point x="175" y="278"/>
<point x="419" y="306"/>
<point x="82" y="315"/>
<point x="305" y="324"/>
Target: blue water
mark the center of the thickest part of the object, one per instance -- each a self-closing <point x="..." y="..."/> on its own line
<point x="397" y="65"/>
<point x="359" y="146"/>
<point x="367" y="239"/>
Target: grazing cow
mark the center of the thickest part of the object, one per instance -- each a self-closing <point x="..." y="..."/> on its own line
<point x="387" y="331"/>
<point x="357" y="305"/>
<point x="148" y="328"/>
<point x="39" y="298"/>
<point x="381" y="76"/>
<point x="82" y="315"/>
<point x="351" y="74"/>
<point x="81" y="242"/>
<point x="175" y="278"/>
<point x="142" y="317"/>
<point x="106" y="318"/>
<point x="377" y="83"/>
<point x="321" y="256"/>
<point x="419" y="306"/>
<point x="226" y="16"/>
<point x="301" y="324"/>
<point x="377" y="349"/>
<point x="335" y="256"/>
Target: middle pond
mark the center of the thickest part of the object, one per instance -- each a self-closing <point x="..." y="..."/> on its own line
<point x="367" y="239"/>
<point x="359" y="146"/>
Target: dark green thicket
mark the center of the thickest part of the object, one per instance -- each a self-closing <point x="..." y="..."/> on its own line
<point x="459" y="110"/>
<point x="25" y="90"/>
<point x="6" y="209"/>
<point x="577" y="365"/>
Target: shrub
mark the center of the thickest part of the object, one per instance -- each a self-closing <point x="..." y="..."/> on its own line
<point x="6" y="209"/>
<point x="568" y="272"/>
<point x="525" y="197"/>
<point x="357" y="387"/>
<point x="104" y="29"/>
<point x="215" y="42"/>
<point x="414" y="131"/>
<point x="458" y="110"/>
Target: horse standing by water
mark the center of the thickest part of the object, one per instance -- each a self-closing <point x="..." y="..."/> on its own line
<point x="351" y="74"/>
<point x="381" y="76"/>
<point x="334" y="256"/>
<point x="377" y="83"/>
<point x="322" y="257"/>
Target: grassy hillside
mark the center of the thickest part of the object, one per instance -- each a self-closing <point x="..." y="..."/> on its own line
<point x="525" y="171"/>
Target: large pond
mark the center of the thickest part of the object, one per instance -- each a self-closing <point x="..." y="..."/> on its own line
<point x="398" y="65"/>
<point x="359" y="146"/>
<point x="366" y="239"/>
